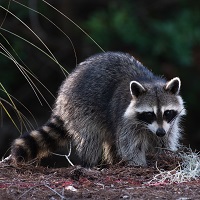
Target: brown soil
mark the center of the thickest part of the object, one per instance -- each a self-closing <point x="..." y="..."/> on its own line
<point x="113" y="182"/>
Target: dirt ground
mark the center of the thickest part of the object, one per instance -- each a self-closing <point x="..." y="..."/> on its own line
<point x="112" y="182"/>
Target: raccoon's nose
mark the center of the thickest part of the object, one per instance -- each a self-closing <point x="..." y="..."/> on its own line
<point x="160" y="132"/>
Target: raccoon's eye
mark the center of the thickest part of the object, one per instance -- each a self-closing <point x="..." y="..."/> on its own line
<point x="147" y="117"/>
<point x="169" y="115"/>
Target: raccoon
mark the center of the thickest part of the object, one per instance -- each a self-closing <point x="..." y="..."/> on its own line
<point x="110" y="108"/>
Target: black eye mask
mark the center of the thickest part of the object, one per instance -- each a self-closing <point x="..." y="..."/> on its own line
<point x="169" y="115"/>
<point x="147" y="117"/>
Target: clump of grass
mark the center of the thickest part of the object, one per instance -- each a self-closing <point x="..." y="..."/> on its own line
<point x="187" y="170"/>
<point x="22" y="118"/>
<point x="18" y="62"/>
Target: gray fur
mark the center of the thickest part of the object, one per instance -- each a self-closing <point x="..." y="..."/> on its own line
<point x="96" y="110"/>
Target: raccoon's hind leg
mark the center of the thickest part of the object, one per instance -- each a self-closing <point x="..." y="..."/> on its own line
<point x="110" y="155"/>
<point x="88" y="141"/>
<point x="39" y="143"/>
<point x="89" y="150"/>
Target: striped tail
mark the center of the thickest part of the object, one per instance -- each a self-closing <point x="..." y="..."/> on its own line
<point x="41" y="142"/>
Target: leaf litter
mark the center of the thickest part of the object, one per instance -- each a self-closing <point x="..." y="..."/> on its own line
<point x="118" y="181"/>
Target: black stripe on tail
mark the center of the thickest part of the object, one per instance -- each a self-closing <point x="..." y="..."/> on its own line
<point x="43" y="141"/>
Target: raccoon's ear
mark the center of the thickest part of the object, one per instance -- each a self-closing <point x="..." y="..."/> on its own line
<point x="136" y="88"/>
<point x="173" y="85"/>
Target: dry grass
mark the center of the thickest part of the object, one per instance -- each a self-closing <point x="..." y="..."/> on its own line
<point x="188" y="169"/>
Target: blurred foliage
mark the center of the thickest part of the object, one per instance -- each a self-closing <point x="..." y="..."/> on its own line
<point x="169" y="35"/>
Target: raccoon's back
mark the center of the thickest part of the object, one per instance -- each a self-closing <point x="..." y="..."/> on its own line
<point x="99" y="84"/>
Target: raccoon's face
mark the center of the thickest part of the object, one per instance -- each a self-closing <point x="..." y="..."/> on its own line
<point x="157" y="107"/>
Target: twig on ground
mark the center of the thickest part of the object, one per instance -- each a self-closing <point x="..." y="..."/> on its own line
<point x="28" y="191"/>
<point x="6" y="160"/>
<point x="60" y="195"/>
<point x="66" y="156"/>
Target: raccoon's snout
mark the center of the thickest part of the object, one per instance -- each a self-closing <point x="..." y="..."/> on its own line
<point x="160" y="132"/>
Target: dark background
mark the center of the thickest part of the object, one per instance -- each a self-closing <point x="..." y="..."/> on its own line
<point x="163" y="34"/>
